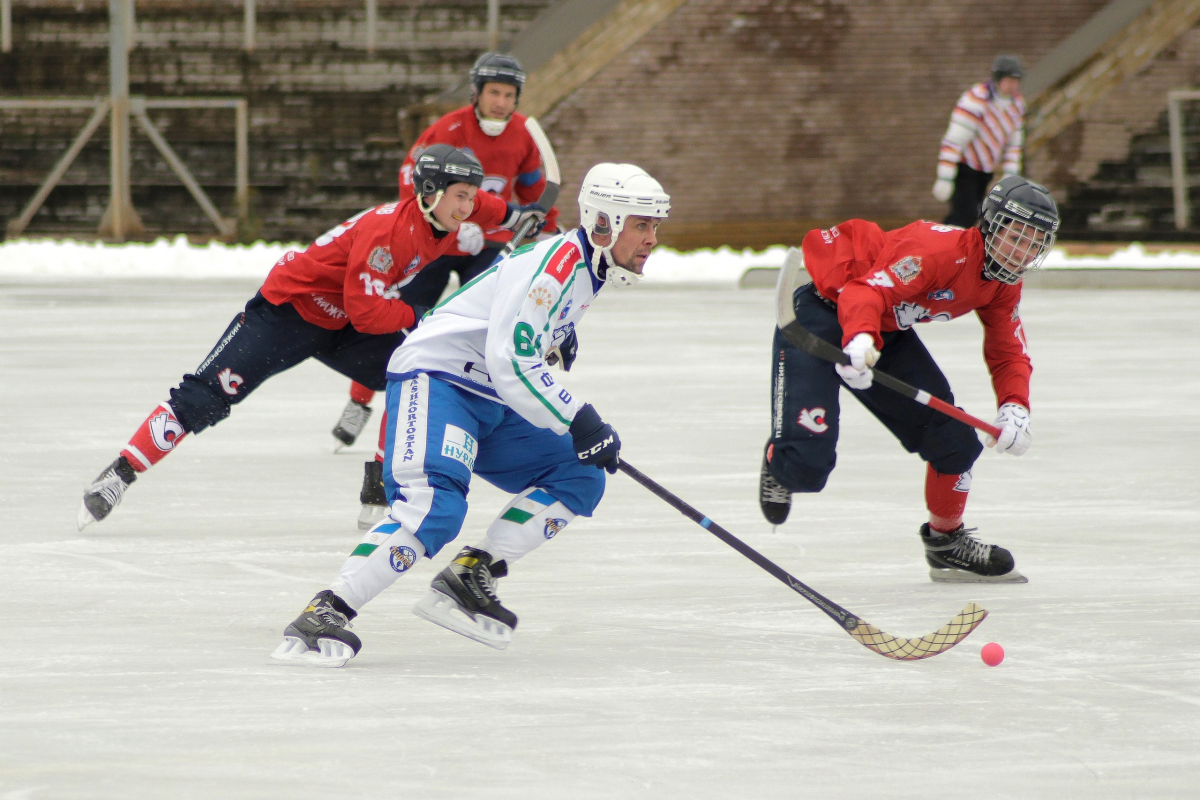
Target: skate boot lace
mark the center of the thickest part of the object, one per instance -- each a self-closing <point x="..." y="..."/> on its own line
<point x="354" y="417"/>
<point x="772" y="491"/>
<point x="110" y="486"/>
<point x="331" y="616"/>
<point x="968" y="548"/>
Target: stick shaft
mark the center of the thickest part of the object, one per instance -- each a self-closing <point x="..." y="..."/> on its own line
<point x="832" y="610"/>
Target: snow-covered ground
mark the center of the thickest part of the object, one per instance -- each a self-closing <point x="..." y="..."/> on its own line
<point x="68" y="260"/>
<point x="651" y="661"/>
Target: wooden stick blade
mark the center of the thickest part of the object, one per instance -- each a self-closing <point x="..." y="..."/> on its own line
<point x="928" y="646"/>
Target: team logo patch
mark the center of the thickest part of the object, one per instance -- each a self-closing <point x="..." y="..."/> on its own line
<point x="416" y="262"/>
<point x="460" y="446"/>
<point x="402" y="558"/>
<point x="963" y="484"/>
<point x="494" y="184"/>
<point x="230" y="381"/>
<point x="566" y="310"/>
<point x="553" y="526"/>
<point x="380" y="259"/>
<point x="562" y="264"/>
<point x="909" y="314"/>
<point x="941" y="294"/>
<point x="906" y="268"/>
<point x="541" y="296"/>
<point x="813" y="419"/>
<point x="165" y="430"/>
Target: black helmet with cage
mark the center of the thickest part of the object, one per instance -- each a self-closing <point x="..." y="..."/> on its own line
<point x="1019" y="223"/>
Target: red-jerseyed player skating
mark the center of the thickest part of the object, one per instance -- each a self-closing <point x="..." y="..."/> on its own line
<point x="869" y="289"/>
<point x="336" y="301"/>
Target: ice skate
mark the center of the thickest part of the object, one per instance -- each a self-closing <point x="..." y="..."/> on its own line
<point x="105" y="493"/>
<point x="958" y="557"/>
<point x="775" y="500"/>
<point x="462" y="598"/>
<point x="374" y="501"/>
<point x="318" y="637"/>
<point x="354" y="419"/>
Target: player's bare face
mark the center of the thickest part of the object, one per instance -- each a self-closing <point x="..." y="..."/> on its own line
<point x="455" y="206"/>
<point x="634" y="243"/>
<point x="497" y="100"/>
<point x="1008" y="86"/>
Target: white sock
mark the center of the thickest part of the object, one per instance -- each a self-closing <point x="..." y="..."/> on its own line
<point x="386" y="552"/>
<point x="531" y="519"/>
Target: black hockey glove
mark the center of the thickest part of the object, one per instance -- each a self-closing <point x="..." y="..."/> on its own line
<point x="518" y="214"/>
<point x="418" y="312"/>
<point x="596" y="442"/>
<point x="565" y="352"/>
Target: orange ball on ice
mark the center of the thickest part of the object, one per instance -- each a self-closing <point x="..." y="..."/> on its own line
<point x="992" y="654"/>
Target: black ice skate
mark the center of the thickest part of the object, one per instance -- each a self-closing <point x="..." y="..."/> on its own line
<point x="958" y="557"/>
<point x="775" y="500"/>
<point x="462" y="598"/>
<point x="354" y="419"/>
<point x="318" y="637"/>
<point x="105" y="492"/>
<point x="373" y="499"/>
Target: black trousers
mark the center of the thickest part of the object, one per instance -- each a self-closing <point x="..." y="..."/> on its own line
<point x="805" y="403"/>
<point x="427" y="287"/>
<point x="970" y="187"/>
<point x="265" y="340"/>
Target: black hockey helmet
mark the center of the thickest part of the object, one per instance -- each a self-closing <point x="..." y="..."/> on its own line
<point x="496" y="68"/>
<point x="1007" y="67"/>
<point x="441" y="165"/>
<point x="1019" y="223"/>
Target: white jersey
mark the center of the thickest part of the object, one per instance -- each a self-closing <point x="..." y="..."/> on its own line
<point x="491" y="336"/>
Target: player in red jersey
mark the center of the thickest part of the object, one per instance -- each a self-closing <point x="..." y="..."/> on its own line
<point x="337" y="301"/>
<point x="490" y="129"/>
<point x="869" y="289"/>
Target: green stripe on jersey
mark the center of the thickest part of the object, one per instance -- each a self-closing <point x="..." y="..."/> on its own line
<point x="364" y="550"/>
<point x="537" y="394"/>
<point x="518" y="516"/>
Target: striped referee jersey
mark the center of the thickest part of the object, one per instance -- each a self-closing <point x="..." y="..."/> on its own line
<point x="986" y="131"/>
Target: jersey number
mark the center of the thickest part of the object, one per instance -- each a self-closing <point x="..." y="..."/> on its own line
<point x="524" y="341"/>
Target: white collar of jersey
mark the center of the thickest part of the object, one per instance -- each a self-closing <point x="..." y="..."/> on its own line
<point x="492" y="127"/>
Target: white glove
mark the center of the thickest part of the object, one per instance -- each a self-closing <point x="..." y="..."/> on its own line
<point x="863" y="355"/>
<point x="470" y="238"/>
<point x="1015" y="433"/>
<point x="943" y="188"/>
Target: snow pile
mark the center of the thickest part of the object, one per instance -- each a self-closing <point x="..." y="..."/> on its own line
<point x="163" y="259"/>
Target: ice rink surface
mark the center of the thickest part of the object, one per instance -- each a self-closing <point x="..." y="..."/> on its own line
<point x="651" y="661"/>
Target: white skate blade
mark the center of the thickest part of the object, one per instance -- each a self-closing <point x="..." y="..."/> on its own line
<point x="295" y="652"/>
<point x="370" y="516"/>
<point x="963" y="576"/>
<point x="442" y="609"/>
<point x="84" y="517"/>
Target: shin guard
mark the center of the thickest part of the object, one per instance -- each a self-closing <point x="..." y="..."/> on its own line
<point x="946" y="498"/>
<point x="532" y="518"/>
<point x="156" y="437"/>
<point x="386" y="553"/>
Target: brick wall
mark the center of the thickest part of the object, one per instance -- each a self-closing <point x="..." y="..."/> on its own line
<point x="753" y="111"/>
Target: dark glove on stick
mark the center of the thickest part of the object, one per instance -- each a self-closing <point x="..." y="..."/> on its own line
<point x="596" y="442"/>
<point x="518" y="214"/>
<point x="565" y="352"/>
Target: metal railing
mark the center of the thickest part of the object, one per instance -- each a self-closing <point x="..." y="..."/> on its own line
<point x="101" y="106"/>
<point x="1183" y="208"/>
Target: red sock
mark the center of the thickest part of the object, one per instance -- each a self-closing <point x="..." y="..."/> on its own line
<point x="382" y="436"/>
<point x="154" y="438"/>
<point x="361" y="394"/>
<point x="946" y="499"/>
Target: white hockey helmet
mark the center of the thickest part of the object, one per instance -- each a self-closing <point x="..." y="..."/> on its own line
<point x="610" y="194"/>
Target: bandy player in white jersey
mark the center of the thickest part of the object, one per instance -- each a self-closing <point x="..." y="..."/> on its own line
<point x="470" y="392"/>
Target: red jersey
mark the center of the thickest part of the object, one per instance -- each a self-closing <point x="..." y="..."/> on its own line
<point x="352" y="274"/>
<point x="511" y="161"/>
<point x="923" y="272"/>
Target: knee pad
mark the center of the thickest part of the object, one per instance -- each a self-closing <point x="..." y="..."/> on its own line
<point x="951" y="447"/>
<point x="799" y="468"/>
<point x="197" y="404"/>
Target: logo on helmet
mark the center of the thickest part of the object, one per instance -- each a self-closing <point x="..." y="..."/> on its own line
<point x="1018" y="209"/>
<point x="906" y="268"/>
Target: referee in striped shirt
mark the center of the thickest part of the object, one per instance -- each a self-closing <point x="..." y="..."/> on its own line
<point x="986" y="131"/>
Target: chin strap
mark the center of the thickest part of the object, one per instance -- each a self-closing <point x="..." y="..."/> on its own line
<point x="492" y="127"/>
<point x="428" y="212"/>
<point x="606" y="268"/>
